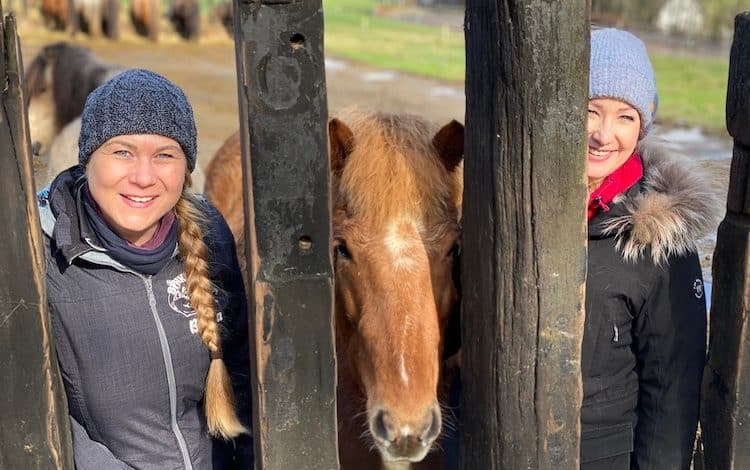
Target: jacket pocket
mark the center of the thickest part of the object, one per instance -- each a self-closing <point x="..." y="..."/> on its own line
<point x="609" y="346"/>
<point x="606" y="441"/>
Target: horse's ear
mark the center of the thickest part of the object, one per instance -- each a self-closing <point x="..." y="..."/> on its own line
<point x="449" y="142"/>
<point x="341" y="140"/>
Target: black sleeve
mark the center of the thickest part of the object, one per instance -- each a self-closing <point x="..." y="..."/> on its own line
<point x="235" y="346"/>
<point x="670" y="347"/>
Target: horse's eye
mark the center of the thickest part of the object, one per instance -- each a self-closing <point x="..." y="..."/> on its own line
<point x="342" y="251"/>
<point x="455" y="251"/>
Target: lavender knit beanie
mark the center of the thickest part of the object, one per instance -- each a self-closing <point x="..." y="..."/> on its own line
<point x="137" y="102"/>
<point x="620" y="69"/>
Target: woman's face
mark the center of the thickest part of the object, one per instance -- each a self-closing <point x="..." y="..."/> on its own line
<point x="136" y="179"/>
<point x="613" y="130"/>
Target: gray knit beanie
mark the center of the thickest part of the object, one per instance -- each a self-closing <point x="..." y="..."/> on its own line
<point x="137" y="102"/>
<point x="620" y="69"/>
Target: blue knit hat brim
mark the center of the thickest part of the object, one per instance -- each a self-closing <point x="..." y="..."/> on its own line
<point x="620" y="69"/>
<point x="137" y="102"/>
<point x="627" y="85"/>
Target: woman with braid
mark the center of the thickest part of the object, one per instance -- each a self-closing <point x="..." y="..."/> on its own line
<point x="145" y="294"/>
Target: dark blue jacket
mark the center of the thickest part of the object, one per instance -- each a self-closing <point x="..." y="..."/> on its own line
<point x="132" y="364"/>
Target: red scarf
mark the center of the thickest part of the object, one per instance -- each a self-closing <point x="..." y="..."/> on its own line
<point x="617" y="182"/>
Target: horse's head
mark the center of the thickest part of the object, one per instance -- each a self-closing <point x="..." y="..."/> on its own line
<point x="397" y="194"/>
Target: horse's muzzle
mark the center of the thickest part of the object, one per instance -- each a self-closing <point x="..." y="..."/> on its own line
<point x="402" y="441"/>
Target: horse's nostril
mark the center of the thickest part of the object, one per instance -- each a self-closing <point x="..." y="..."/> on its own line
<point x="36" y="146"/>
<point x="432" y="430"/>
<point x="380" y="425"/>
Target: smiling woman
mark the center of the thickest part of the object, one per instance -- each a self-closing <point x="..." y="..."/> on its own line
<point x="645" y="327"/>
<point x="141" y="275"/>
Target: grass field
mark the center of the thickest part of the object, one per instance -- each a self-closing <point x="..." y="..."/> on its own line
<point x="355" y="33"/>
<point x="691" y="89"/>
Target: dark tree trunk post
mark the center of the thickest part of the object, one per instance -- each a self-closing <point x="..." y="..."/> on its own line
<point x="725" y="411"/>
<point x="34" y="433"/>
<point x="524" y="249"/>
<point x="283" y="113"/>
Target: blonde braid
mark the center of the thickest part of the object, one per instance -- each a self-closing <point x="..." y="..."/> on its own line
<point x="218" y="397"/>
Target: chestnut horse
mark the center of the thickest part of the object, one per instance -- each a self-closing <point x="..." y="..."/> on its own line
<point x="396" y="189"/>
<point x="144" y="15"/>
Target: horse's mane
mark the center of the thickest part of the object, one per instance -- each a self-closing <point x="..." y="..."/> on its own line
<point x="394" y="170"/>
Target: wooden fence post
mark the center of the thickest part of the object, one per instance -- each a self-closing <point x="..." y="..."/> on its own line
<point x="34" y="433"/>
<point x="725" y="408"/>
<point x="283" y="113"/>
<point x="524" y="249"/>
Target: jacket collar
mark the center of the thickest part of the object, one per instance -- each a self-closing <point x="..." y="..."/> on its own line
<point x="73" y="235"/>
<point x="622" y="179"/>
<point x="669" y="210"/>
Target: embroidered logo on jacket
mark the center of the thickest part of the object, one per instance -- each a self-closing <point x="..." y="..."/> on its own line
<point x="698" y="288"/>
<point x="179" y="301"/>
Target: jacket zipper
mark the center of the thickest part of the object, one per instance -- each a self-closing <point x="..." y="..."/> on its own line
<point x="598" y="203"/>
<point x="171" y="383"/>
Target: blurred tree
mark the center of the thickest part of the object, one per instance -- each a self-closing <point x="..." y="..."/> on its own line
<point x="718" y="20"/>
<point x="625" y="13"/>
<point x="720" y="16"/>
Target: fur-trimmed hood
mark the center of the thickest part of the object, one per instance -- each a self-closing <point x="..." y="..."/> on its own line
<point x="673" y="209"/>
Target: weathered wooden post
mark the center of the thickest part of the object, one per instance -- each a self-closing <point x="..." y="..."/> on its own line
<point x="283" y="112"/>
<point x="524" y="257"/>
<point x="725" y="411"/>
<point x="34" y="430"/>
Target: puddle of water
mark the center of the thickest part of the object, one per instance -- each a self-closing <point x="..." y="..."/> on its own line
<point x="380" y="76"/>
<point x="694" y="144"/>
<point x="446" y="91"/>
<point x="333" y="65"/>
<point x="682" y="135"/>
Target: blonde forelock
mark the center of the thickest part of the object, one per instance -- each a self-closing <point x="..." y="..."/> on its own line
<point x="394" y="170"/>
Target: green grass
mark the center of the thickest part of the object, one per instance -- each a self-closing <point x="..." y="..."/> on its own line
<point x="691" y="89"/>
<point x="353" y="32"/>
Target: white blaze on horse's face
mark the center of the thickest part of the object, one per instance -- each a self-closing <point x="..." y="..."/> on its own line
<point x="403" y="242"/>
<point x="397" y="291"/>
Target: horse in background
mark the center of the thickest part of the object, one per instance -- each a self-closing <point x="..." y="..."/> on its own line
<point x="185" y="16"/>
<point x="96" y="17"/>
<point x="93" y="17"/>
<point x="224" y="187"/>
<point x="58" y="80"/>
<point x="396" y="190"/>
<point x="223" y="12"/>
<point x="56" y="14"/>
<point x="145" y="14"/>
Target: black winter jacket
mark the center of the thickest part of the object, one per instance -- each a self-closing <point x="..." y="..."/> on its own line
<point x="645" y="330"/>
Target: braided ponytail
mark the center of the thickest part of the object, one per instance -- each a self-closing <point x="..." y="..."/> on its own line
<point x="218" y="397"/>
